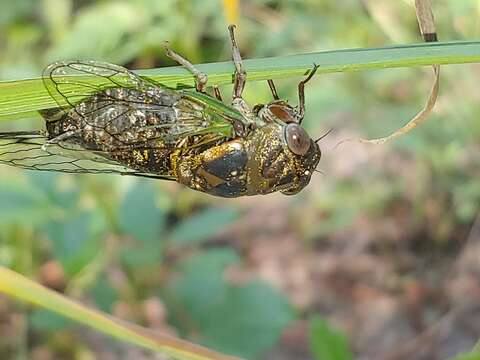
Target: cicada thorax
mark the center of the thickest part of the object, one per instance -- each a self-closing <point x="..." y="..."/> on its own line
<point x="273" y="166"/>
<point x="260" y="163"/>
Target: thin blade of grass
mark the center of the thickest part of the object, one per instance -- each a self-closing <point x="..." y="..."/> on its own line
<point x="21" y="288"/>
<point x="28" y="96"/>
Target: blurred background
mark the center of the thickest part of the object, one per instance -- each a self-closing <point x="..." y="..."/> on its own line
<point x="379" y="255"/>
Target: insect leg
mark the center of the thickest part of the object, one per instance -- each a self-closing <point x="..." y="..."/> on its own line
<point x="271" y="84"/>
<point x="66" y="135"/>
<point x="217" y="93"/>
<point x="239" y="81"/>
<point x="201" y="79"/>
<point x="301" y="92"/>
<point x="240" y="73"/>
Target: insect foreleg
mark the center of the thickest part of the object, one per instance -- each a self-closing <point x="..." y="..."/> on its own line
<point x="239" y="81"/>
<point x="240" y="73"/>
<point x="273" y="89"/>
<point x="201" y="79"/>
<point x="62" y="137"/>
<point x="217" y="93"/>
<point x="301" y="92"/>
<point x="241" y="105"/>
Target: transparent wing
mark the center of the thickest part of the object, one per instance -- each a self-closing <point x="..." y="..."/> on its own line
<point x="110" y="98"/>
<point x="69" y="82"/>
<point x="25" y="150"/>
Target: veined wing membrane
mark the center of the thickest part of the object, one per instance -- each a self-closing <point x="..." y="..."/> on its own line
<point x="110" y="98"/>
<point x="69" y="82"/>
<point x="107" y="115"/>
<point x="24" y="150"/>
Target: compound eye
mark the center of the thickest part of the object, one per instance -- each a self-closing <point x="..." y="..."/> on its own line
<point x="298" y="140"/>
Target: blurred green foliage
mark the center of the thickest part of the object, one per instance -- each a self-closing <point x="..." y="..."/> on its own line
<point x="327" y="343"/>
<point x="473" y="355"/>
<point x="469" y="356"/>
<point x="121" y="241"/>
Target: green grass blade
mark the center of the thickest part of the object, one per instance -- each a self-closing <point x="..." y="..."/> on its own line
<point x="18" y="286"/>
<point x="25" y="97"/>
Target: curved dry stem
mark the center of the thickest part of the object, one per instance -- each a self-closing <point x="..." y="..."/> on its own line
<point x="426" y="23"/>
<point x="420" y="117"/>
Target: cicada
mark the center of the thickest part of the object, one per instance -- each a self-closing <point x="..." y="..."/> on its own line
<point x="126" y="124"/>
